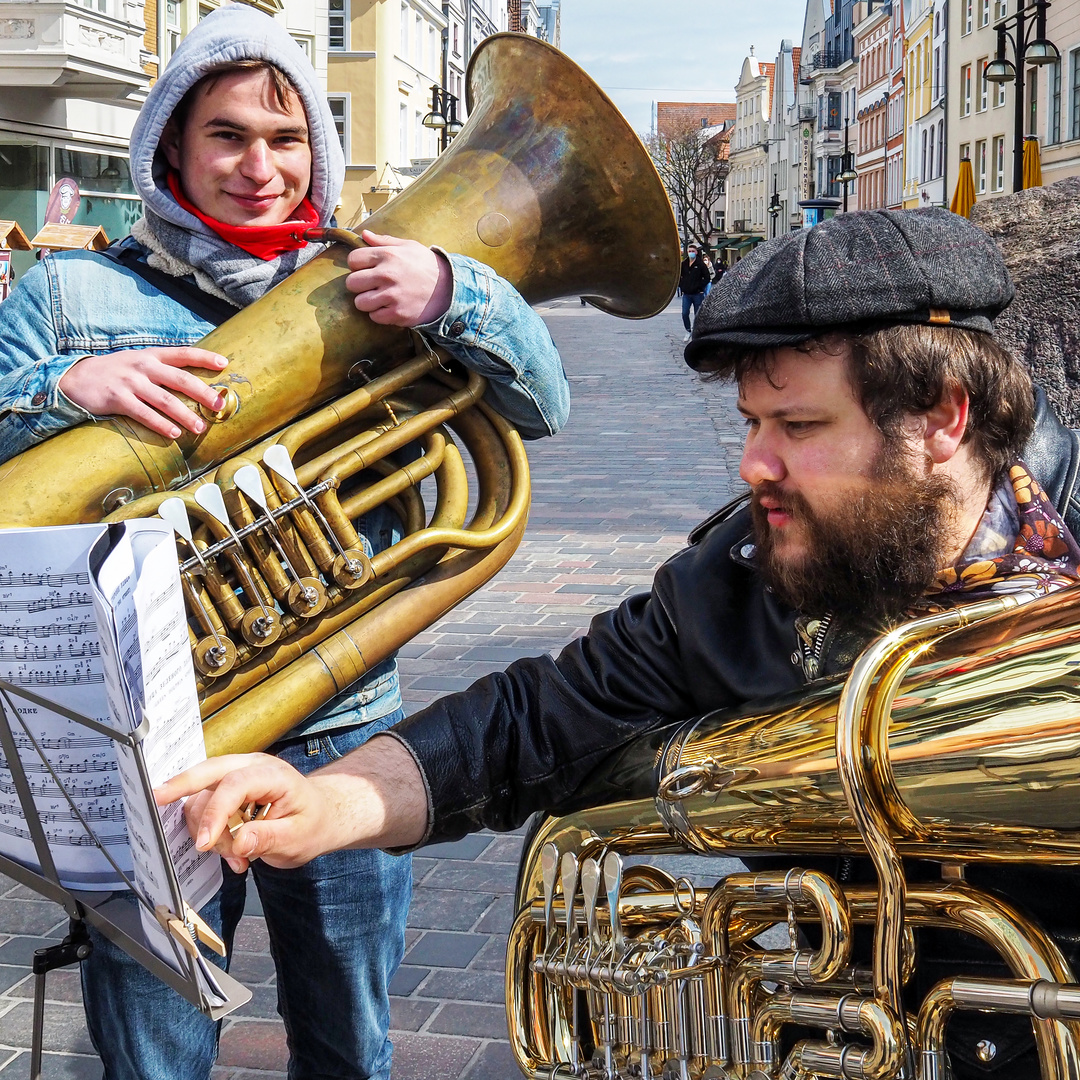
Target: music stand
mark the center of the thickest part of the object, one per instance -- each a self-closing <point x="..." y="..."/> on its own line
<point x="113" y="917"/>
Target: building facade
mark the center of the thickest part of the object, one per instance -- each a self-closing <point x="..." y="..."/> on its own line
<point x="873" y="40"/>
<point x="784" y="144"/>
<point x="748" y="191"/>
<point x="380" y="71"/>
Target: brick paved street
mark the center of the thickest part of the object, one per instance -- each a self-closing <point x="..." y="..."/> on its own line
<point x="648" y="452"/>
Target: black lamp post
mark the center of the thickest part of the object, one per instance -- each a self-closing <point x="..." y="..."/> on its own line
<point x="774" y="208"/>
<point x="847" y="166"/>
<point x="1027" y="49"/>
<point x="443" y="116"/>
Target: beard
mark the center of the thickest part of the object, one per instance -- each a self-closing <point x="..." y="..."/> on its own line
<point x="869" y="558"/>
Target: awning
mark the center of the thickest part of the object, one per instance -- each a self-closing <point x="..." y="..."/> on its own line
<point x="745" y="242"/>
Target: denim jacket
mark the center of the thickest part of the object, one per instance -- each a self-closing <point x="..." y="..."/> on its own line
<point x="77" y="303"/>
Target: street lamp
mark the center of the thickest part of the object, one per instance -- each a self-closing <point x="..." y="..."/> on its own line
<point x="774" y="208"/>
<point x="1037" y="50"/>
<point x="847" y="166"/>
<point x="443" y="116"/>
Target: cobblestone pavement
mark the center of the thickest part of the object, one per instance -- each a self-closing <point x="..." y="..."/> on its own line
<point x="648" y="452"/>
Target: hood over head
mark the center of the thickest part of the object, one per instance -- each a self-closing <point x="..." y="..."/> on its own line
<point x="234" y="32"/>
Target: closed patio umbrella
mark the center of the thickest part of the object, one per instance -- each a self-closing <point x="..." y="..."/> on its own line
<point x="964" y="196"/>
<point x="1032" y="163"/>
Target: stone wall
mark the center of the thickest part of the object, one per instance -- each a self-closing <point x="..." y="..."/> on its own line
<point x="1038" y="231"/>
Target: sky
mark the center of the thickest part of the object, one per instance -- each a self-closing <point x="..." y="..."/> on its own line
<point x="641" y="51"/>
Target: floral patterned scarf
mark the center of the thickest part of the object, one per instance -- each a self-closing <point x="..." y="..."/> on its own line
<point x="1021" y="545"/>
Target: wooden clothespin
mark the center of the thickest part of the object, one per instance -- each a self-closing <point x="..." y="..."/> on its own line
<point x="252" y="812"/>
<point x="178" y="928"/>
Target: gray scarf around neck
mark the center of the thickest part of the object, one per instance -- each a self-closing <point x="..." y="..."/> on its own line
<point x="219" y="268"/>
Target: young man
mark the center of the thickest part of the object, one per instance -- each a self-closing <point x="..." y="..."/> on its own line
<point x="694" y="278"/>
<point x="884" y="436"/>
<point x="235" y="154"/>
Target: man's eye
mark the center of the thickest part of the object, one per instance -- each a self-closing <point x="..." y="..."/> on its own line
<point x="800" y="427"/>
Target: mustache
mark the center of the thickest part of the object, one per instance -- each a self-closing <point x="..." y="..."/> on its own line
<point x="791" y="502"/>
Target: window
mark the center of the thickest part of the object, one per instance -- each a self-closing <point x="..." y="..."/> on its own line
<point x="1053" y="118"/>
<point x="1001" y="9"/>
<point x="835" y="105"/>
<point x="834" y="172"/>
<point x="403" y="46"/>
<point x="457" y="45"/>
<point x="339" y="110"/>
<point x="718" y="220"/>
<point x="984" y="13"/>
<point x="965" y="151"/>
<point x="997" y="163"/>
<point x="984" y="84"/>
<point x="403" y="134"/>
<point x="922" y="161"/>
<point x="418" y="136"/>
<point x="418" y="43"/>
<point x="936" y="88"/>
<point x="1074" y="94"/>
<point x="1032" y="102"/>
<point x="967" y="15"/>
<point x="965" y="90"/>
<point x="172" y="28"/>
<point x="941" y="148"/>
<point x="980" y="167"/>
<point x="338" y="25"/>
<point x="999" y="95"/>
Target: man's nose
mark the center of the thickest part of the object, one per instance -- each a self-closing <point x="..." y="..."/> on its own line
<point x="760" y="462"/>
<point x="258" y="164"/>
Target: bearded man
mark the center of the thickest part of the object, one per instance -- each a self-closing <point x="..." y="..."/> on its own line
<point x="884" y="455"/>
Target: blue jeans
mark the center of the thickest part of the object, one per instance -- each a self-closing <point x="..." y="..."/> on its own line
<point x="337" y="935"/>
<point x="689" y="299"/>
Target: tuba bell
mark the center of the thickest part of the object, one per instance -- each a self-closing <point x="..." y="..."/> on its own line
<point x="954" y="740"/>
<point x="547" y="184"/>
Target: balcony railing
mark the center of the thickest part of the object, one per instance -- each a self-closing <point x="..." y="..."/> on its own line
<point x="826" y="58"/>
<point x="75" y="50"/>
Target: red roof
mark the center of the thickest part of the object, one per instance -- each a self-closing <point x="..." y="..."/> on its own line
<point x="671" y="115"/>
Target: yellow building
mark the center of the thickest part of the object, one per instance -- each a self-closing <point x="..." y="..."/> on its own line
<point x="384" y="56"/>
<point x="919" y="99"/>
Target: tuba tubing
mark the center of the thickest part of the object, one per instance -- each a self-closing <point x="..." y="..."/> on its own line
<point x="961" y="734"/>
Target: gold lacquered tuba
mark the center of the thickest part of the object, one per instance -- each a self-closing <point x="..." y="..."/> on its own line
<point x="955" y="738"/>
<point x="547" y="184"/>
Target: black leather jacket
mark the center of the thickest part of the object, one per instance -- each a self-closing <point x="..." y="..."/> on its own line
<point x="556" y="735"/>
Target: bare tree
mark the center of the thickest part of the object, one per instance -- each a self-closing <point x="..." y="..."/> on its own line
<point x="692" y="162"/>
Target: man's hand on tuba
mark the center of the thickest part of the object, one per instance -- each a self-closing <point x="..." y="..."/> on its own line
<point x="373" y="797"/>
<point x="399" y="282"/>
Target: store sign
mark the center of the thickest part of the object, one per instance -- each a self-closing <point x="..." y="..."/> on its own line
<point x="804" y="162"/>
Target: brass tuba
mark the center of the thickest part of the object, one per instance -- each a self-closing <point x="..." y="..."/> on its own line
<point x="954" y="739"/>
<point x="547" y="184"/>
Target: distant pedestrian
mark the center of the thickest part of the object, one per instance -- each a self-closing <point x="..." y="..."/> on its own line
<point x="718" y="270"/>
<point x="693" y="278"/>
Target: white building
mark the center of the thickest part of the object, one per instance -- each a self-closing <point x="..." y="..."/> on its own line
<point x="748" y="192"/>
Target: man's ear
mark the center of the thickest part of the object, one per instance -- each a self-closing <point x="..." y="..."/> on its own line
<point x="169" y="143"/>
<point x="945" y="424"/>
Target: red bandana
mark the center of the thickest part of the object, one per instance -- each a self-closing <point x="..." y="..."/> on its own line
<point x="265" y="242"/>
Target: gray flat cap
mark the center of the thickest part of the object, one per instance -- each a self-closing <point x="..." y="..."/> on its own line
<point x="857" y="270"/>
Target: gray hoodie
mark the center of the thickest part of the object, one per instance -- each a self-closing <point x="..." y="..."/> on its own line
<point x="234" y="32"/>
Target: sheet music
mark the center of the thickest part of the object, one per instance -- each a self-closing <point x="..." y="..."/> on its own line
<point x="49" y="643"/>
<point x="149" y="674"/>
